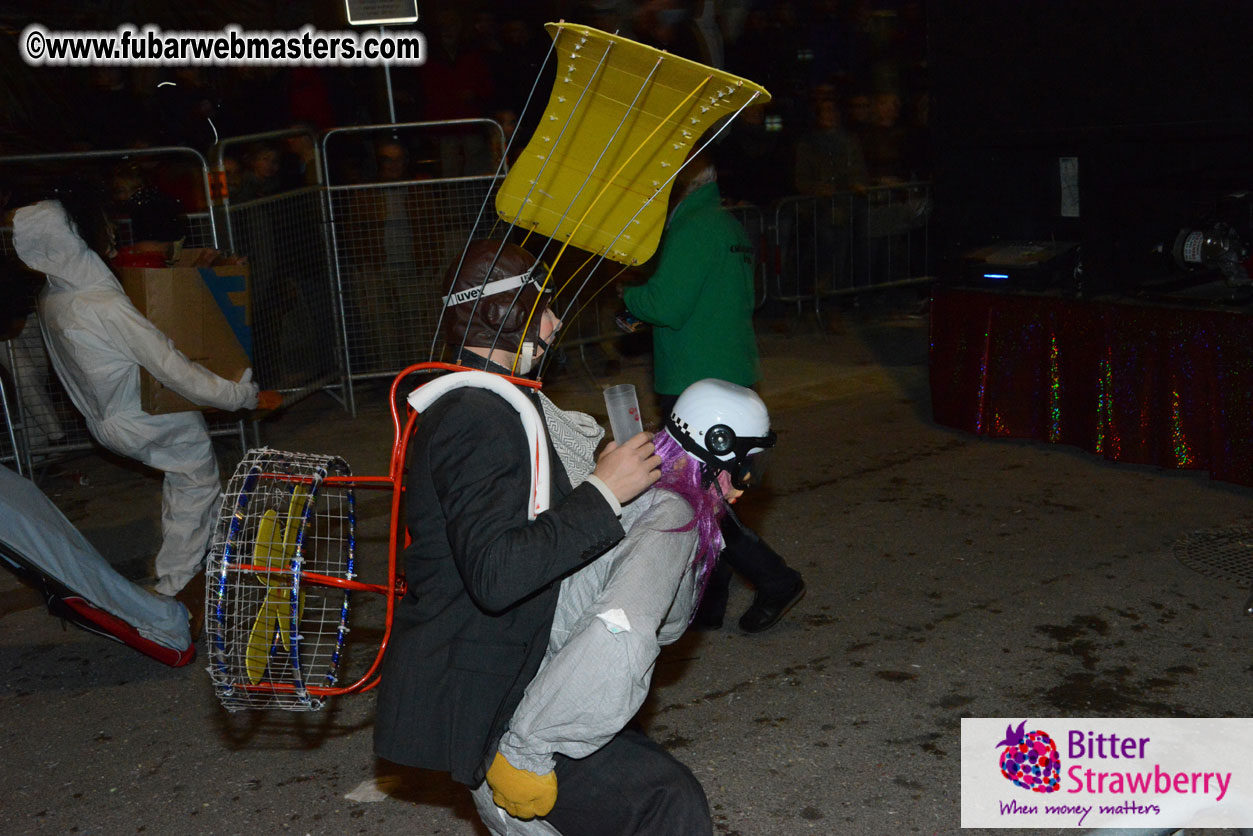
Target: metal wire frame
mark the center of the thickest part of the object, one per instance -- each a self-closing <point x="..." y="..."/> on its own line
<point x="566" y="213"/>
<point x="294" y="322"/>
<point x="218" y="155"/>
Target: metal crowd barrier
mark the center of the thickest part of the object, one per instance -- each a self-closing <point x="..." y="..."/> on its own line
<point x="8" y="435"/>
<point x="850" y="242"/>
<point x="347" y="277"/>
<point x="392" y="241"/>
<point x="754" y="222"/>
<point x="42" y="423"/>
<point x="284" y="236"/>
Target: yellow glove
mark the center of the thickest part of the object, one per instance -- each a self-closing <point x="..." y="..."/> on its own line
<point x="521" y="794"/>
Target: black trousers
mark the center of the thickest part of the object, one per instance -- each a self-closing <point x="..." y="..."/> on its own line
<point x="629" y="787"/>
<point x="744" y="551"/>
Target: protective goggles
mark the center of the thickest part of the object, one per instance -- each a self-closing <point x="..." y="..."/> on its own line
<point x="748" y="467"/>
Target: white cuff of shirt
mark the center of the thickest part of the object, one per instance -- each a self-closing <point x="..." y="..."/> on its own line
<point x="593" y="479"/>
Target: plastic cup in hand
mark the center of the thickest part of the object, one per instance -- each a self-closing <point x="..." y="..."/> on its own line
<point x="624" y="411"/>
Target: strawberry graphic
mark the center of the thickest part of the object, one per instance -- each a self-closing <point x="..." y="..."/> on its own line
<point x="1030" y="759"/>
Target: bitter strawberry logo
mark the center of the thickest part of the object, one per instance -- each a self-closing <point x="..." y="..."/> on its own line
<point x="1030" y="759"/>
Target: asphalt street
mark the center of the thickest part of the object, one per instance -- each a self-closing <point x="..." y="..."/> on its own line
<point x="948" y="576"/>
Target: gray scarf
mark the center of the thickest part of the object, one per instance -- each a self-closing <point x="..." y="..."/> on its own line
<point x="575" y="437"/>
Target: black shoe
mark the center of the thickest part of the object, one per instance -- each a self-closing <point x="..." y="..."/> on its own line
<point x="768" y="609"/>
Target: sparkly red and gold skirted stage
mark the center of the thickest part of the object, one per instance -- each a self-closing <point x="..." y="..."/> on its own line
<point x="1133" y="382"/>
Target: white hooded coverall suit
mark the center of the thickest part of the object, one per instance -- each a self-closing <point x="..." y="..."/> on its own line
<point x="98" y="341"/>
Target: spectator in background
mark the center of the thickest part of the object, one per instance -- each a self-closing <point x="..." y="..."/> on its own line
<point x="919" y="155"/>
<point x="515" y="68"/>
<point x="668" y="25"/>
<point x="857" y="113"/>
<point x="180" y="178"/>
<point x="830" y="166"/>
<point x="297" y="165"/>
<point x="234" y="174"/>
<point x="507" y="120"/>
<point x="485" y="30"/>
<point x="260" y="177"/>
<point x="884" y="140"/>
<point x="260" y="234"/>
<point x="125" y="180"/>
<point x="891" y="212"/>
<point x="829" y="159"/>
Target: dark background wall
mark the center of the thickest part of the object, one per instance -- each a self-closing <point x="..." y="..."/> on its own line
<point x="1154" y="97"/>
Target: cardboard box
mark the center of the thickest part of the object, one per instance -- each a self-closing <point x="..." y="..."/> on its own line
<point x="206" y="311"/>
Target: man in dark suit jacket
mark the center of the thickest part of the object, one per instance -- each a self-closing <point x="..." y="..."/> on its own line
<point x="483" y="579"/>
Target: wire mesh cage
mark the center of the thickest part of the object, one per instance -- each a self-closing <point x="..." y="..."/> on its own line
<point x="276" y="620"/>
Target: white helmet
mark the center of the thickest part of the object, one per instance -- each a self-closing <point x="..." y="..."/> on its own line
<point x="725" y="426"/>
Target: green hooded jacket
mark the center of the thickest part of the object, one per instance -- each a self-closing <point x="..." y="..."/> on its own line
<point x="700" y="298"/>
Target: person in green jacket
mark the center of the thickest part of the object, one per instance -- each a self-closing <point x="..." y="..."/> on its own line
<point x="700" y="300"/>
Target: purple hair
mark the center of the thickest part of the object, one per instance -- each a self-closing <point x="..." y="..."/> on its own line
<point x="707" y="507"/>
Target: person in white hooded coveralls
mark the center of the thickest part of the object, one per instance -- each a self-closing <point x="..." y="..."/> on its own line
<point x="98" y="341"/>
